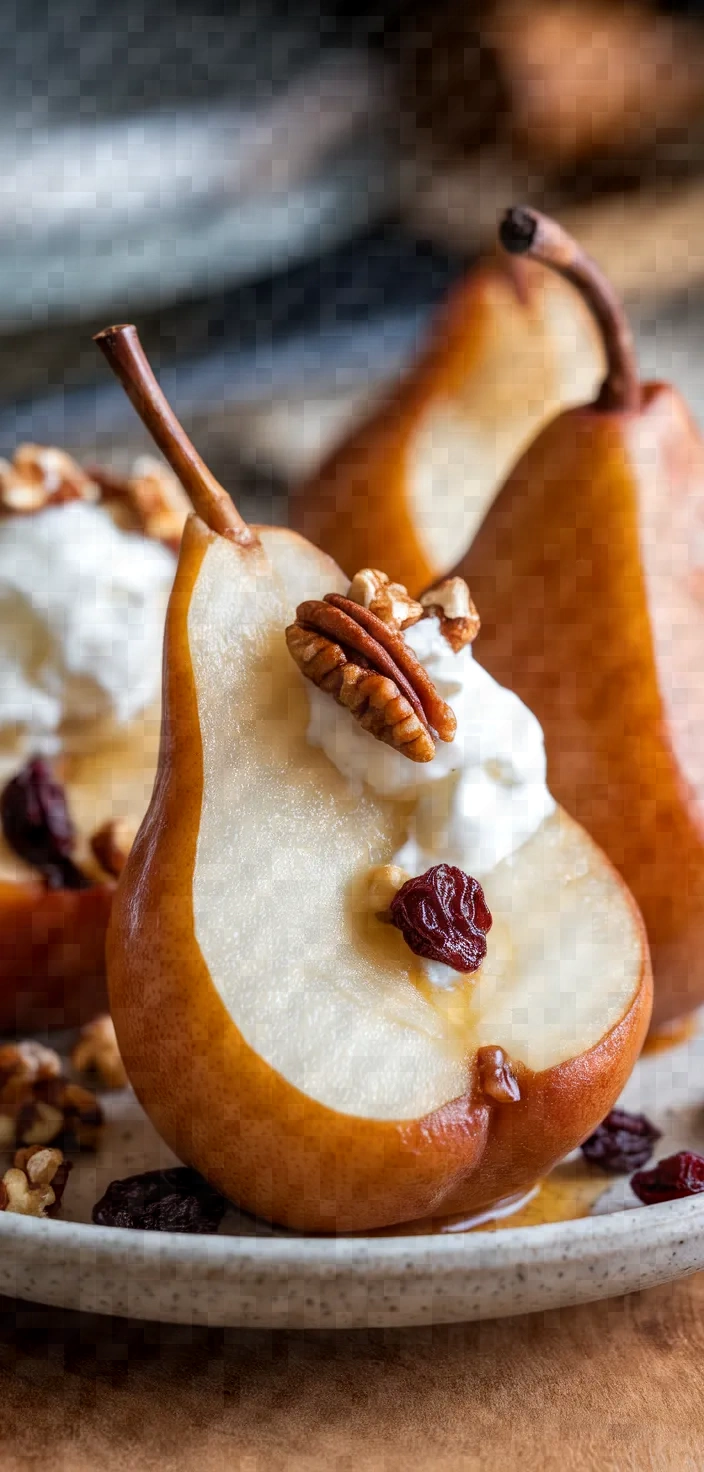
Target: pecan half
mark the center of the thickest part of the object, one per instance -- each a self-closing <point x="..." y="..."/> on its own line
<point x="439" y="715"/>
<point x="367" y="666"/>
<point x="373" y="699"/>
<point x="451" y="602"/>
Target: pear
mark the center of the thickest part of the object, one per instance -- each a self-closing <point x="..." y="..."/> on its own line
<point x="412" y="483"/>
<point x="283" y="1039"/>
<point x="587" y="572"/>
<point x="52" y="941"/>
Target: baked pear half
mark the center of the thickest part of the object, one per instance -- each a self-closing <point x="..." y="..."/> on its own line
<point x="277" y="1031"/>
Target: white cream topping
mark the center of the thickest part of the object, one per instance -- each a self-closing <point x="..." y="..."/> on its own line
<point x="82" y="607"/>
<point x="481" y="797"/>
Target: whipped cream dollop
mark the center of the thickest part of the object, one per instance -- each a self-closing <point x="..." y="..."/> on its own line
<point x="483" y="794"/>
<point x="82" y="608"/>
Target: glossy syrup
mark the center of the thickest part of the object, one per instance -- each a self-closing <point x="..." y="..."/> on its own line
<point x="567" y="1193"/>
<point x="571" y="1189"/>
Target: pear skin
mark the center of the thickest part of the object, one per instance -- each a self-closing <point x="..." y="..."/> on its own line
<point x="592" y="603"/>
<point x="409" y="485"/>
<point x="263" y="1141"/>
<point x="52" y="954"/>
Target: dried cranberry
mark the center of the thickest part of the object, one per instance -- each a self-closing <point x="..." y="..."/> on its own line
<point x="176" y="1200"/>
<point x="621" y="1142"/>
<point x="443" y="916"/>
<point x="671" y="1179"/>
<point x="37" y="825"/>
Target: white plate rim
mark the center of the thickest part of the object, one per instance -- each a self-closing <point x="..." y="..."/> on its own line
<point x="593" y="1236"/>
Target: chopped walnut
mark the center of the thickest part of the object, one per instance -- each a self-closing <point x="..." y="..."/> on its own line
<point x="44" y="1167"/>
<point x="22" y="1066"/>
<point x="150" y="500"/>
<point x="451" y="603"/>
<point x="97" y="1050"/>
<point x="384" y="882"/>
<point x="159" y="499"/>
<point x="51" y="1108"/>
<point x="19" y="1197"/>
<point x="111" y="845"/>
<point x="42" y="476"/>
<point x="390" y="602"/>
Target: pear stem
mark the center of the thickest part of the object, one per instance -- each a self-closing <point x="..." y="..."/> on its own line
<point x="126" y="356"/>
<point x="525" y="232"/>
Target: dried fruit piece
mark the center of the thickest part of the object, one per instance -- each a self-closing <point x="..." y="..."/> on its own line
<point x="37" y="825"/>
<point x="621" y="1143"/>
<point x="176" y="1200"/>
<point x="97" y="1050"/>
<point x="671" y="1179"/>
<point x="444" y="916"/>
<point x="496" y="1076"/>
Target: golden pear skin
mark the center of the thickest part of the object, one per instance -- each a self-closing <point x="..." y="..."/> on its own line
<point x="221" y="1107"/>
<point x="409" y="485"/>
<point x="586" y="573"/>
<point x="275" y="1147"/>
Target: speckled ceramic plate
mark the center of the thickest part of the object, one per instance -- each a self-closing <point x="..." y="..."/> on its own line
<point x="250" y="1275"/>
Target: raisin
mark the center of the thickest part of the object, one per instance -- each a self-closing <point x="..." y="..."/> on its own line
<point x="621" y="1143"/>
<point x="497" y="1078"/>
<point x="670" y="1179"/>
<point x="176" y="1200"/>
<point x="37" y="825"/>
<point x="443" y="916"/>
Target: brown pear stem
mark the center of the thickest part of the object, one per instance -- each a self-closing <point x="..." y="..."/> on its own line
<point x="126" y="356"/>
<point x="525" y="232"/>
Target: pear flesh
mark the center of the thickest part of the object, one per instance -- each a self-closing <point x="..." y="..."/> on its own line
<point x="323" y="992"/>
<point x="540" y="354"/>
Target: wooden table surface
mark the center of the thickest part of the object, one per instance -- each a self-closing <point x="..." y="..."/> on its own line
<point x="616" y="1385"/>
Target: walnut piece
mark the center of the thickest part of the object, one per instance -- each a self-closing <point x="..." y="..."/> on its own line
<point x="17" y="1196"/>
<point x="373" y="699"/>
<point x="150" y="500"/>
<point x="60" y="1109"/>
<point x="391" y="602"/>
<point x="451" y="603"/>
<point x="23" y="1066"/>
<point x="97" y="1050"/>
<point x="112" y="843"/>
<point x="42" y="476"/>
<point x="35" y="1183"/>
<point x="383" y="882"/>
<point x="159" y="500"/>
<point x="37" y="1105"/>
<point x="44" y="1167"/>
